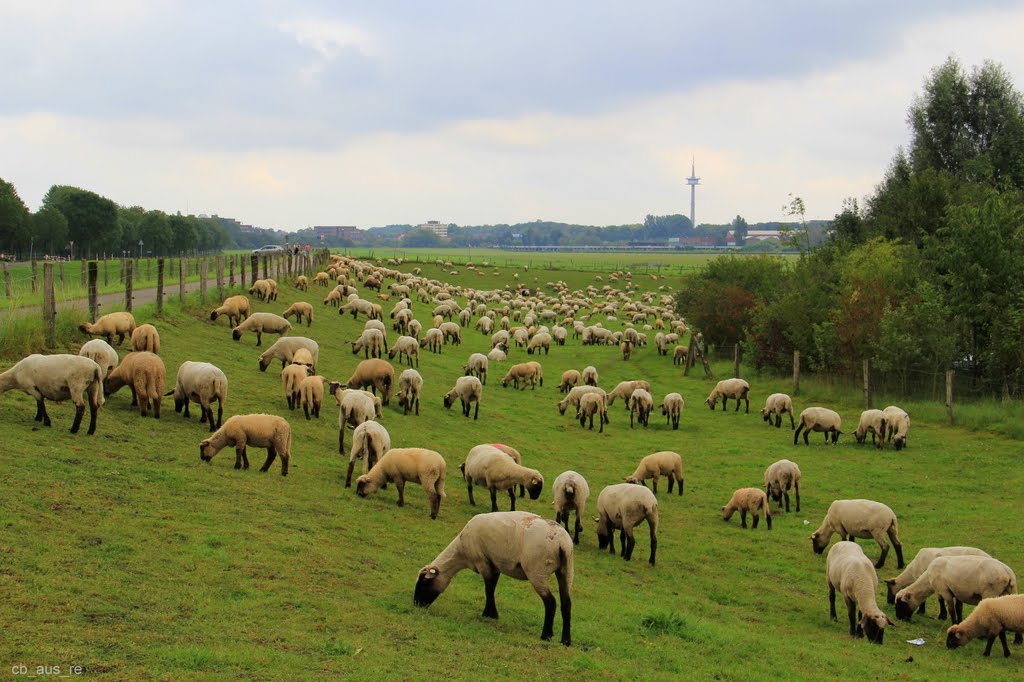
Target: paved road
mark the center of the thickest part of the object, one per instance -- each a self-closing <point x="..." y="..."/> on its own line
<point x="112" y="302"/>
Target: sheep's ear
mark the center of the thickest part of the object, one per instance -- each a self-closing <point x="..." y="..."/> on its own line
<point x="721" y="509"/>
<point x="888" y="621"/>
<point x="890" y="581"/>
<point x="204" y="443"/>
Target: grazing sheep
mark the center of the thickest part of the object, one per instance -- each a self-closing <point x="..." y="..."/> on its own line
<point x="371" y="342"/>
<point x="311" y="395"/>
<point x="493" y="467"/>
<point x="145" y="337"/>
<point x="370" y="441"/>
<point x="291" y="377"/>
<point x="753" y="500"/>
<point x="589" y="405"/>
<point x="301" y="283"/>
<point x="410" y="384"/>
<point x="58" y="378"/>
<point x="144" y="373"/>
<point x="738" y="389"/>
<point x="477" y="366"/>
<point x="625" y="389"/>
<point x="590" y="375"/>
<point x="354" y="407"/>
<point x="576" y="394"/>
<point x="260" y="324"/>
<point x="519" y="544"/>
<point x="623" y="506"/>
<point x="672" y="409"/>
<point x="860" y="519"/>
<point x="819" y="419"/>
<point x="468" y="390"/>
<point x="299" y="309"/>
<point x="626" y="348"/>
<point x="264" y="290"/>
<point x="433" y="339"/>
<point x="849" y="571"/>
<point x="640" y="404"/>
<point x="663" y="463"/>
<point x="235" y="307"/>
<point x="408" y="347"/>
<point x="571" y="492"/>
<point x="203" y="383"/>
<point x="375" y="374"/>
<point x="570" y="378"/>
<point x="452" y="332"/>
<point x="496" y="355"/>
<point x="873" y="422"/>
<point x="333" y="298"/>
<point x="100" y="352"/>
<point x="284" y="349"/>
<point x="957" y="580"/>
<point x="777" y="405"/>
<point x="399" y="465"/>
<point x="539" y="341"/>
<point x="679" y="355"/>
<point x="993" y="618"/>
<point x="779" y="478"/>
<point x="110" y="325"/>
<point x="529" y="373"/>
<point x="259" y="430"/>
<point x="919" y="565"/>
<point x="897" y="424"/>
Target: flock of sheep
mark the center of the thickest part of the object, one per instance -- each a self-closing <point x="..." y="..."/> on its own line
<point x="519" y="544"/>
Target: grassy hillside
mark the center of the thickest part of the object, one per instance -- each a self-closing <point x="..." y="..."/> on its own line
<point x="124" y="553"/>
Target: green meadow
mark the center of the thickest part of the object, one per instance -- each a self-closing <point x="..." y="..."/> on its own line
<point x="125" y="554"/>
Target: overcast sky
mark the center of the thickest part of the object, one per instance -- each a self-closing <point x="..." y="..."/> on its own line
<point x="299" y="113"/>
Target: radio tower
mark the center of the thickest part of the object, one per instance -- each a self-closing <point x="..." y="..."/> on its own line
<point x="693" y="181"/>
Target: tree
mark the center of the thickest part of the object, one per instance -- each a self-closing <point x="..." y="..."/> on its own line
<point x="183" y="233"/>
<point x="14" y="218"/>
<point x="155" y="232"/>
<point x="739" y="230"/>
<point x="421" y="239"/>
<point x="92" y="219"/>
<point x="50" y="228"/>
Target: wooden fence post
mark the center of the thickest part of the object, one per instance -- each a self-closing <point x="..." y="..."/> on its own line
<point x="266" y="274"/>
<point x="7" y="280"/>
<point x="128" y="285"/>
<point x="49" y="306"/>
<point x="160" y="287"/>
<point x="94" y="302"/>
<point x="241" y="266"/>
<point x="736" y="360"/>
<point x="949" y="395"/>
<point x="796" y="372"/>
<point x="181" y="279"/>
<point x="254" y="261"/>
<point x="202" y="281"/>
<point x="61" y="266"/>
<point x="868" y="397"/>
<point x="120" y="271"/>
<point x="35" y="275"/>
<point x="106" y="271"/>
<point x="149" y="269"/>
<point x="231" y="272"/>
<point x="83" y="273"/>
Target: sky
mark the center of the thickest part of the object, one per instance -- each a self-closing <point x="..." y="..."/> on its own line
<point x="292" y="114"/>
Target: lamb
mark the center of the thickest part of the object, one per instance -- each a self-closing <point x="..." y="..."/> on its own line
<point x="144" y="373"/>
<point x="376" y="374"/>
<point x="860" y="519"/>
<point x="623" y="506"/>
<point x="100" y="352"/>
<point x="873" y="422"/>
<point x="110" y="325"/>
<point x="956" y="580"/>
<point x="663" y="463"/>
<point x="263" y="290"/>
<point x="477" y="366"/>
<point x="625" y="389"/>
<point x="571" y="492"/>
<point x="145" y="337"/>
<point x="311" y="395"/>
<point x="526" y="372"/>
<point x="291" y="377"/>
<point x="539" y="341"/>
<point x="819" y="419"/>
<point x="58" y="378"/>
<point x="640" y="404"/>
<point x="490" y="466"/>
<point x="261" y="323"/>
<point x="991" y="619"/>
<point x="467" y="390"/>
<point x="672" y="409"/>
<point x="371" y="342"/>
<point x="203" y="383"/>
<point x="410" y="384"/>
<point x="919" y="565"/>
<point x="301" y="283"/>
<point x="897" y="424"/>
<point x="299" y="309"/>
<point x="779" y="478"/>
<point x="235" y="307"/>
<point x="570" y="378"/>
<point x="777" y="405"/>
<point x="850" y="571"/>
<point x="408" y="347"/>
<point x="520" y="545"/>
<point x="370" y="441"/>
<point x="589" y="405"/>
<point x="284" y="349"/>
<point x="259" y="430"/>
<point x="589" y="375"/>
<point x="737" y="389"/>
<point x="753" y="500"/>
<point x="399" y="465"/>
<point x="333" y="297"/>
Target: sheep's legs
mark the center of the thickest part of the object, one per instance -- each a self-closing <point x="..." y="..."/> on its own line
<point x="79" y="413"/>
<point x="435" y="503"/>
<point x="494" y="499"/>
<point x="832" y="602"/>
<point x="796" y="436"/>
<point x="1002" y="640"/>
<point x="348" y="476"/>
<point x="241" y="457"/>
<point x="490" y="583"/>
<point x="851" y="610"/>
<point x="41" y="415"/>
<point x="757" y="519"/>
<point x="578" y="529"/>
<point x="566" y="603"/>
<point x="743" y="518"/>
<point x="512" y="497"/>
<point x="469" y="489"/>
<point x="476" y="412"/>
<point x="785" y="496"/>
<point x="957" y="612"/>
<point x="93" y="410"/>
<point x="549" y="614"/>
<point x="797" y="486"/>
<point x="897" y="546"/>
<point x="271" y="456"/>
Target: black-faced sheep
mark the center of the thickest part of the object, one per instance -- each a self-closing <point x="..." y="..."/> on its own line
<point x="539" y="341"/>
<point x="100" y="352"/>
<point x="259" y="430"/>
<point x="897" y="425"/>
<point x="408" y="347"/>
<point x="492" y="467"/>
<point x="640" y="404"/>
<point x="299" y="309"/>
<point x="58" y="378"/>
<point x="203" y="383"/>
<point x="370" y="441"/>
<point x="957" y="580"/>
<point x="672" y="409"/>
<point x="284" y="349"/>
<point x="527" y="373"/>
<point x="779" y="478"/>
<point x="433" y="339"/>
<point x="235" y="307"/>
<point x="589" y="375"/>
<point x="737" y="389"/>
<point x="570" y="379"/>
<point x="144" y="373"/>
<point x="260" y="324"/>
<point x="410" y="384"/>
<point x="520" y="545"/>
<point x="399" y="465"/>
<point x="873" y="422"/>
<point x="849" y="571"/>
<point x="371" y="342"/>
<point x="477" y="366"/>
<point x="624" y="389"/>
<point x="744" y="500"/>
<point x="311" y="395"/>
<point x="291" y="377"/>
<point x="993" y="618"/>
<point x="375" y="374"/>
<point x="110" y="325"/>
<point x="663" y="463"/>
<point x="589" y="405"/>
<point x="571" y="492"/>
<point x="623" y="506"/>
<point x="145" y="337"/>
<point x="776" y="405"/>
<point x="860" y="519"/>
<point x="354" y="408"/>
<point x="919" y="565"/>
<point x="819" y="419"/>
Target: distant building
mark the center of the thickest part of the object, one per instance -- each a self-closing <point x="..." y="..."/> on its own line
<point x="336" y="231"/>
<point x="435" y="226"/>
<point x="755" y="236"/>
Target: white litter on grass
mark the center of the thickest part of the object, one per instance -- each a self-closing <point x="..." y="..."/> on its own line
<point x="806" y="522"/>
<point x="918" y="642"/>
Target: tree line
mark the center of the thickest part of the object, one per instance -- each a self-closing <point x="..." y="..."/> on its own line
<point x="924" y="276"/>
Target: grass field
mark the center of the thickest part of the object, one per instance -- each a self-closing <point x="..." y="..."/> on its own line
<point x="125" y="554"/>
